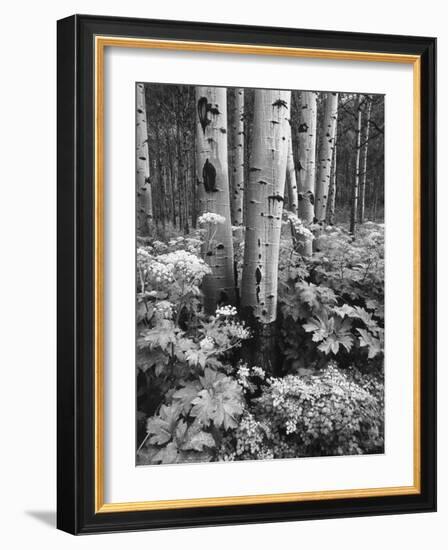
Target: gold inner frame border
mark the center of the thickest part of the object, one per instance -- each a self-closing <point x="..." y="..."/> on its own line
<point x="101" y="42"/>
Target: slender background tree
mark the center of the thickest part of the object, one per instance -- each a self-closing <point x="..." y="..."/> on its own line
<point x="326" y="146"/>
<point x="236" y="146"/>
<point x="143" y="183"/>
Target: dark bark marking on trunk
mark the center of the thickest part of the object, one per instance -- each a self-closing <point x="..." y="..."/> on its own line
<point x="280" y="103"/>
<point x="209" y="177"/>
<point x="277" y="198"/>
<point x="203" y="108"/>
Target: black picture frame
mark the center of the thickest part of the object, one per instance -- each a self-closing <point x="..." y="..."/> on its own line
<point x="76" y="269"/>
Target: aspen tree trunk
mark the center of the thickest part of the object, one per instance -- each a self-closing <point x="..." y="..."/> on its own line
<point x="185" y="181"/>
<point x="306" y="155"/>
<point x="213" y="189"/>
<point x="355" y="188"/>
<point x="332" y="191"/>
<point x="237" y="159"/>
<point x="306" y="164"/>
<point x="375" y="200"/>
<point x="362" y="190"/>
<point x="155" y="195"/>
<point x="180" y="170"/>
<point x="172" y="193"/>
<point x="291" y="181"/>
<point x="159" y="179"/>
<point x="326" y="145"/>
<point x="264" y="202"/>
<point x="143" y="184"/>
<point x="194" y="212"/>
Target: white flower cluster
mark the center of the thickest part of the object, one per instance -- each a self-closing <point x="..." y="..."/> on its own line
<point x="159" y="272"/>
<point x="159" y="247"/>
<point x="315" y="227"/>
<point x="194" y="245"/>
<point x="207" y="344"/>
<point x="243" y="378"/>
<point x="167" y="268"/>
<point x="258" y="371"/>
<point x="238" y="331"/>
<point x="244" y="373"/>
<point x="143" y="257"/>
<point x="298" y="226"/>
<point x="226" y="311"/>
<point x="191" y="244"/>
<point x="164" y="309"/>
<point x="175" y="242"/>
<point x="211" y="218"/>
<point x="374" y="237"/>
<point x="184" y="264"/>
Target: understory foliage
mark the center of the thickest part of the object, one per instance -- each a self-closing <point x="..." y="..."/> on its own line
<point x="198" y="396"/>
<point x="332" y="304"/>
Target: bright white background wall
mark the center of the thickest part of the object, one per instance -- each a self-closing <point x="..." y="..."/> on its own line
<point x="27" y="273"/>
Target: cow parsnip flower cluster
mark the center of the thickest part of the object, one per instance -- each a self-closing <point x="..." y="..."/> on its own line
<point x="151" y="269"/>
<point x="326" y="413"/>
<point x="164" y="269"/>
<point x="191" y="244"/>
<point x="164" y="309"/>
<point x="185" y="265"/>
<point x="207" y="344"/>
<point x="237" y="330"/>
<point x="251" y="439"/>
<point x="211" y="218"/>
<point x="226" y="311"/>
<point x="318" y="415"/>
<point x="221" y="334"/>
<point x="144" y="257"/>
<point x="159" y="272"/>
<point x="249" y="377"/>
<point x="298" y="227"/>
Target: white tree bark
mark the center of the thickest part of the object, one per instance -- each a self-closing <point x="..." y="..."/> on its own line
<point x="355" y="188"/>
<point x="362" y="190"/>
<point x="332" y="191"/>
<point x="143" y="184"/>
<point x="326" y="145"/>
<point x="213" y="186"/>
<point x="237" y="157"/>
<point x="291" y="181"/>
<point x="306" y="155"/>
<point x="265" y="193"/>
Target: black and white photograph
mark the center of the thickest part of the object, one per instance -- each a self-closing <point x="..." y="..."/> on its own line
<point x="226" y="250"/>
<point x="260" y="273"/>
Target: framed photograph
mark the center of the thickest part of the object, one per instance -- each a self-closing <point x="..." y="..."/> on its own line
<point x="246" y="274"/>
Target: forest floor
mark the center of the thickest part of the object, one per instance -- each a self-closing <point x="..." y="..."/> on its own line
<point x="199" y="395"/>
